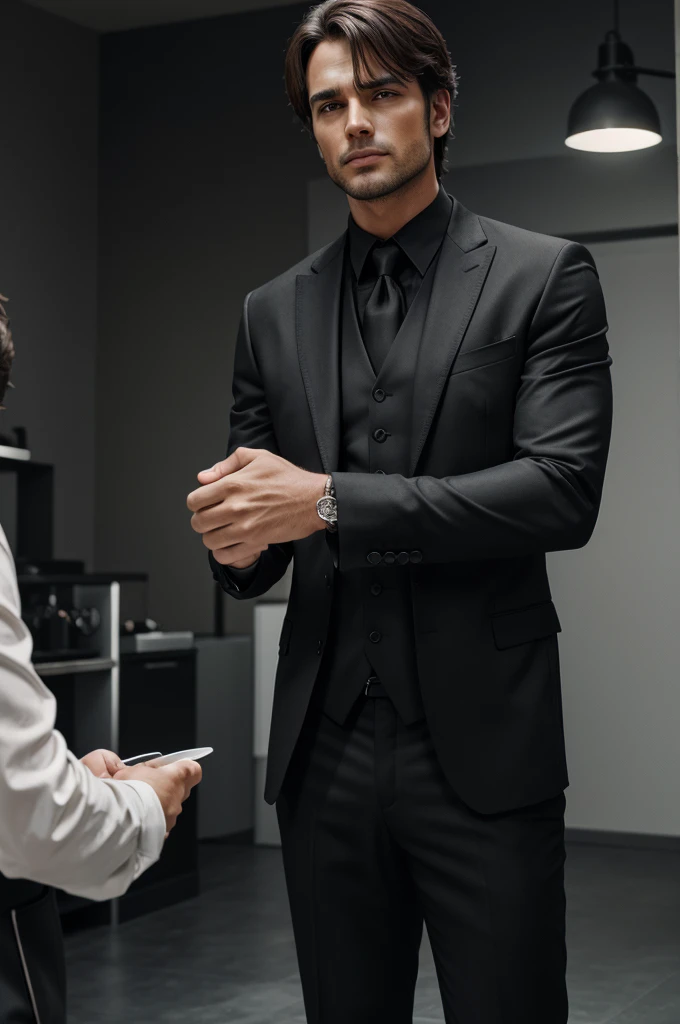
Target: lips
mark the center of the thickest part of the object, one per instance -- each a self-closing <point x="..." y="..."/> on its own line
<point x="361" y="155"/>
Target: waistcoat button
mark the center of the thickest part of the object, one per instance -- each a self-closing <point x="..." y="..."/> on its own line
<point x="374" y="636"/>
<point x="379" y="471"/>
<point x="376" y="588"/>
<point x="379" y="395"/>
<point x="380" y="434"/>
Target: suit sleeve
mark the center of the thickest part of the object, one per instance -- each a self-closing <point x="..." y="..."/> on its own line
<point x="250" y="426"/>
<point x="240" y="578"/>
<point x="547" y="498"/>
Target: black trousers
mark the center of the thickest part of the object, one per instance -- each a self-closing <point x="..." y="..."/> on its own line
<point x="375" y="842"/>
<point x="32" y="964"/>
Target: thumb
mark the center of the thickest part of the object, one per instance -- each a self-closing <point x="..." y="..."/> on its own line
<point x="239" y="457"/>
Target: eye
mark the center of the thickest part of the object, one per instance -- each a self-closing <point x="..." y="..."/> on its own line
<point x="383" y="92"/>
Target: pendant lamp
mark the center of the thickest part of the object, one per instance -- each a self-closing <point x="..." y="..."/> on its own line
<point x="615" y="116"/>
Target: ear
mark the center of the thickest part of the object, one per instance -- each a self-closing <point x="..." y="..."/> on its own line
<point x="440" y="112"/>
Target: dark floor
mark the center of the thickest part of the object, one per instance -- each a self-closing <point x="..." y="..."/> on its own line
<point x="228" y="956"/>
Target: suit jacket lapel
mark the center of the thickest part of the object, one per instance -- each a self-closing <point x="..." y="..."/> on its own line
<point x="317" y="321"/>
<point x="461" y="272"/>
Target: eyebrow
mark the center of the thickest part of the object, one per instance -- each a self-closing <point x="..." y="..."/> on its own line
<point x="376" y="83"/>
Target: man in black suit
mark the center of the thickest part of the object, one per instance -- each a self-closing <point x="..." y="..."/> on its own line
<point x="431" y="392"/>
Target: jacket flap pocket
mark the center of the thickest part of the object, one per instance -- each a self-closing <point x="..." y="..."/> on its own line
<point x="523" y="624"/>
<point x="484" y="356"/>
<point x="284" y="639"/>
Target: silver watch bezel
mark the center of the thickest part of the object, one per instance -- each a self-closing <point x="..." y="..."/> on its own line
<point x="327" y="508"/>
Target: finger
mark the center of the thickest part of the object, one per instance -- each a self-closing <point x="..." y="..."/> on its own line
<point x="220" y="469"/>
<point x="193" y="773"/>
<point x="188" y="774"/>
<point x="112" y="761"/>
<point x="205" y="497"/>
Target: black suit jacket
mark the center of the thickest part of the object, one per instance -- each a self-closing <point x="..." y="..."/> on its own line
<point x="505" y="460"/>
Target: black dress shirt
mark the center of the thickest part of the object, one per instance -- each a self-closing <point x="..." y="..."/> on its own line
<point x="419" y="239"/>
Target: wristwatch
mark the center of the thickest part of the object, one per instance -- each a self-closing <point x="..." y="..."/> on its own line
<point x="327" y="506"/>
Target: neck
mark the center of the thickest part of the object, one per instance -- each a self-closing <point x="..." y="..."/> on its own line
<point x="383" y="217"/>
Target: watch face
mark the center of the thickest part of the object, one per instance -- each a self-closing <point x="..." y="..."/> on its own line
<point x="327" y="508"/>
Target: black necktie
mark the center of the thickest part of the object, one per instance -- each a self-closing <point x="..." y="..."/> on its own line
<point x="386" y="306"/>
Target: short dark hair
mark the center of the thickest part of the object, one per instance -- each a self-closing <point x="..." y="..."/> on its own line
<point x="398" y="35"/>
<point x="6" y="350"/>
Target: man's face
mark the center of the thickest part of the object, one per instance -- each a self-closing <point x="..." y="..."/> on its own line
<point x="391" y="118"/>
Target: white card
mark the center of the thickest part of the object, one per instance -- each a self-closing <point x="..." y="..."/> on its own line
<point x="181" y="755"/>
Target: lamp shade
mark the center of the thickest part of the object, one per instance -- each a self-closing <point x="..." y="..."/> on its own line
<point x="612" y="117"/>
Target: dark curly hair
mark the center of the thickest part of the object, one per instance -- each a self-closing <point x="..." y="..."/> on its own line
<point x="6" y="351"/>
<point x="402" y="39"/>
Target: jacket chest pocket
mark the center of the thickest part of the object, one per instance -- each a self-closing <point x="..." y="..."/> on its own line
<point x="520" y="625"/>
<point x="485" y="356"/>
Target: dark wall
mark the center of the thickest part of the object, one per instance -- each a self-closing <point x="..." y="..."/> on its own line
<point x="48" y="226"/>
<point x="203" y="196"/>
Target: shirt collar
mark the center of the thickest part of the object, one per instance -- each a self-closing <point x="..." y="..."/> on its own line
<point x="419" y="238"/>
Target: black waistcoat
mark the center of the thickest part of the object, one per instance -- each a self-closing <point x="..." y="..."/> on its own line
<point x="371" y="627"/>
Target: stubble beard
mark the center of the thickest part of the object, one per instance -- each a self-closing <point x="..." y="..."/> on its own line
<point x="371" y="186"/>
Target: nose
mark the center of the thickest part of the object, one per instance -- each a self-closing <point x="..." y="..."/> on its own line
<point x="358" y="122"/>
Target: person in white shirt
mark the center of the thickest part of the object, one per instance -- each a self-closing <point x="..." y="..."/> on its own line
<point x="89" y="827"/>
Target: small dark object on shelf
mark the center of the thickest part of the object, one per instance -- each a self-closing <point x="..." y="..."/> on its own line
<point x="132" y="626"/>
<point x="19" y="439"/>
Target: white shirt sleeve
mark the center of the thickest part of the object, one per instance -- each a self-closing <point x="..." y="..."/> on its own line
<point x="60" y="825"/>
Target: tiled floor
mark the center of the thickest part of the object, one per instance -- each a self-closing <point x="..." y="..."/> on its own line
<point x="228" y="957"/>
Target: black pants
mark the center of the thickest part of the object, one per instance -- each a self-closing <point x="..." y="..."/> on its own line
<point x="375" y="842"/>
<point x="32" y="966"/>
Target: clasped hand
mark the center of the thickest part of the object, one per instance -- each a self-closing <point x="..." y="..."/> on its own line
<point x="253" y="499"/>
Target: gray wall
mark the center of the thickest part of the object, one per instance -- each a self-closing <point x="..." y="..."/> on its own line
<point x="48" y="204"/>
<point x="203" y="197"/>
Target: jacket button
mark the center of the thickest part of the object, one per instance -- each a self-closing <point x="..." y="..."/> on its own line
<point x="389" y="557"/>
<point x="379" y="471"/>
<point x="373" y="557"/>
<point x="402" y="557"/>
<point x="379" y="434"/>
<point x="376" y="589"/>
<point x="416" y="556"/>
<point x="319" y="646"/>
<point x="375" y="636"/>
<point x="379" y="395"/>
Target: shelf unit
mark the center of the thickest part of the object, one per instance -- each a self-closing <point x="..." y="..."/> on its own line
<point x="88" y="687"/>
<point x="127" y="703"/>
